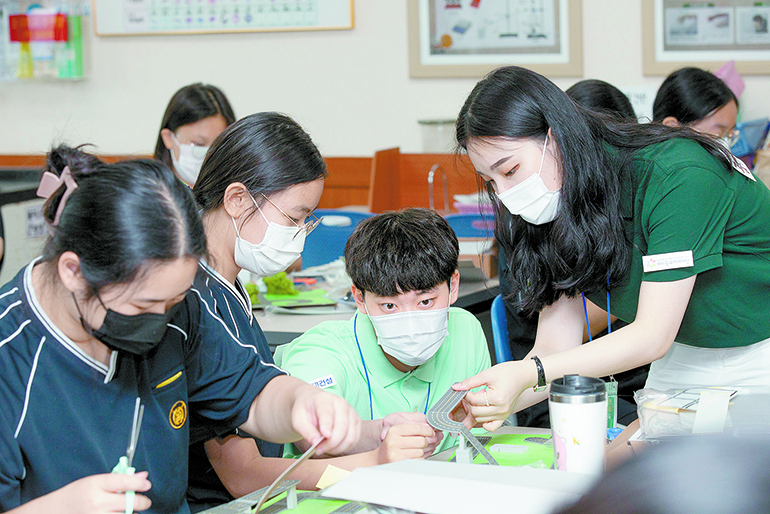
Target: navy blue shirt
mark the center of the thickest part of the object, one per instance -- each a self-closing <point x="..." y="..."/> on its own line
<point x="231" y="303"/>
<point x="66" y="416"/>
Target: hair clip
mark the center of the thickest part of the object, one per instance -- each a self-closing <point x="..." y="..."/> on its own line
<point x="50" y="183"/>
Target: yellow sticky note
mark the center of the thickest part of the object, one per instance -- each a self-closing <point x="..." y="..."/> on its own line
<point x="331" y="475"/>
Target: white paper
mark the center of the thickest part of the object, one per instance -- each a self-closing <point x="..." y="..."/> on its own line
<point x="688" y="399"/>
<point x="450" y="488"/>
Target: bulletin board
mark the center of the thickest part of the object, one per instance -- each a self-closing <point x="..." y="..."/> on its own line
<point x="681" y="33"/>
<point x="469" y="38"/>
<point x="143" y="17"/>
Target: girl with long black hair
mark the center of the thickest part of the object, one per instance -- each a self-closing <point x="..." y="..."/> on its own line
<point x="108" y="315"/>
<point x="697" y="99"/>
<point x="259" y="185"/>
<point x="194" y="117"/>
<point x="660" y="224"/>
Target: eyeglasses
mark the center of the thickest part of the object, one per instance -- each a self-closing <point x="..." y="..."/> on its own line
<point x="733" y="136"/>
<point x="307" y="227"/>
<point x="198" y="151"/>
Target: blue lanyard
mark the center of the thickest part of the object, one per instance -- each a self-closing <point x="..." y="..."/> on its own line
<point x="609" y="316"/>
<point x="366" y="373"/>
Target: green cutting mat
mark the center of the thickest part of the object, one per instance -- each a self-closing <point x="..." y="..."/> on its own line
<point x="310" y="505"/>
<point x="535" y="450"/>
<point x="311" y="298"/>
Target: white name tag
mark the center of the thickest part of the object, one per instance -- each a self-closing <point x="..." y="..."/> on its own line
<point x="740" y="167"/>
<point x="324" y="382"/>
<point x="663" y="261"/>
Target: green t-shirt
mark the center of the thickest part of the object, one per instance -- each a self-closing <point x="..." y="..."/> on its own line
<point x="327" y="355"/>
<point x="679" y="198"/>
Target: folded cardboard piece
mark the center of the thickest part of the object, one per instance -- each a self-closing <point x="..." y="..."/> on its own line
<point x="435" y="487"/>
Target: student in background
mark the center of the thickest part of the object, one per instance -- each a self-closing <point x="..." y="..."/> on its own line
<point x="260" y="182"/>
<point x="600" y="97"/>
<point x="588" y="205"/>
<point x="107" y="315"/>
<point x="195" y="116"/>
<point x="697" y="99"/>
<point x="405" y="346"/>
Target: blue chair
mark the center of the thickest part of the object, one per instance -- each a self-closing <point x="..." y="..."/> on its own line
<point x="500" y="337"/>
<point x="500" y="331"/>
<point x="327" y="242"/>
<point x="472" y="225"/>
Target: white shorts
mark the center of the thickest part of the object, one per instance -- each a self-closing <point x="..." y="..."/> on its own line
<point x="688" y="366"/>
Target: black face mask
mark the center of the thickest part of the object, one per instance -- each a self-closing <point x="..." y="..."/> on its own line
<point x="136" y="334"/>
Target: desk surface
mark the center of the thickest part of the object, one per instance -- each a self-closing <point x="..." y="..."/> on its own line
<point x="283" y="328"/>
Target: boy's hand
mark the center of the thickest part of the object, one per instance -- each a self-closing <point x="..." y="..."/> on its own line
<point x="410" y="418"/>
<point x="399" y="418"/>
<point x="433" y="443"/>
<point x="408" y="441"/>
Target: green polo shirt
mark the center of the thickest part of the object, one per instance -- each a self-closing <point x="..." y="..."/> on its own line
<point x="679" y="198"/>
<point x="327" y="355"/>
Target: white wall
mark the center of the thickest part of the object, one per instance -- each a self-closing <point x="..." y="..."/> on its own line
<point x="350" y="89"/>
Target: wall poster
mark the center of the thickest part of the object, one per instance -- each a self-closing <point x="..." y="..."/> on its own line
<point x="137" y="17"/>
<point x="706" y="34"/>
<point x="450" y="38"/>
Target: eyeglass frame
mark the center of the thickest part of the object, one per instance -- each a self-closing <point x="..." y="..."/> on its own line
<point x="194" y="148"/>
<point x="307" y="226"/>
<point x="733" y="136"/>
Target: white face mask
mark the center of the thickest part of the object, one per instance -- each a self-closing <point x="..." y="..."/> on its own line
<point x="278" y="249"/>
<point x="191" y="157"/>
<point x="412" y="337"/>
<point x="531" y="199"/>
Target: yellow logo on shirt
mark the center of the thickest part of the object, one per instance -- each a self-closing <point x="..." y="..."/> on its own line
<point x="178" y="415"/>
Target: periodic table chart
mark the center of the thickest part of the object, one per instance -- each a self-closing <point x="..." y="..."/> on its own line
<point x="135" y="17"/>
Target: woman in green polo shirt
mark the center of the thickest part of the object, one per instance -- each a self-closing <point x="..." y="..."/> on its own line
<point x="658" y="223"/>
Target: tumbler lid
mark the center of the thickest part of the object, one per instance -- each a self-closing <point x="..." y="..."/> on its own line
<point x="576" y="385"/>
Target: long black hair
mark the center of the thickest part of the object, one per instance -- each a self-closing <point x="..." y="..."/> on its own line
<point x="585" y="247"/>
<point x="689" y="95"/>
<point x="267" y="152"/>
<point x="122" y="219"/>
<point x="190" y="104"/>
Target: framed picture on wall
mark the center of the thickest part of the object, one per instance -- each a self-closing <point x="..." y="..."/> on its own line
<point x="176" y="17"/>
<point x="678" y="33"/>
<point x="469" y="38"/>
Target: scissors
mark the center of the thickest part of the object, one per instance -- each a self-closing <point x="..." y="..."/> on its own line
<point x="124" y="464"/>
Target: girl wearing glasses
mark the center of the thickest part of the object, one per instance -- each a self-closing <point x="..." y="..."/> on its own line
<point x="195" y="115"/>
<point x="258" y="187"/>
<point x="661" y="224"/>
<point x="107" y="315"/>
<point x="700" y="100"/>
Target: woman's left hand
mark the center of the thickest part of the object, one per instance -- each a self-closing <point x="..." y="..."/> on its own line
<point x="318" y="414"/>
<point x="502" y="385"/>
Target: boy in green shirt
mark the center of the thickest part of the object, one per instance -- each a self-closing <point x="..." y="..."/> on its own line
<point x="405" y="346"/>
